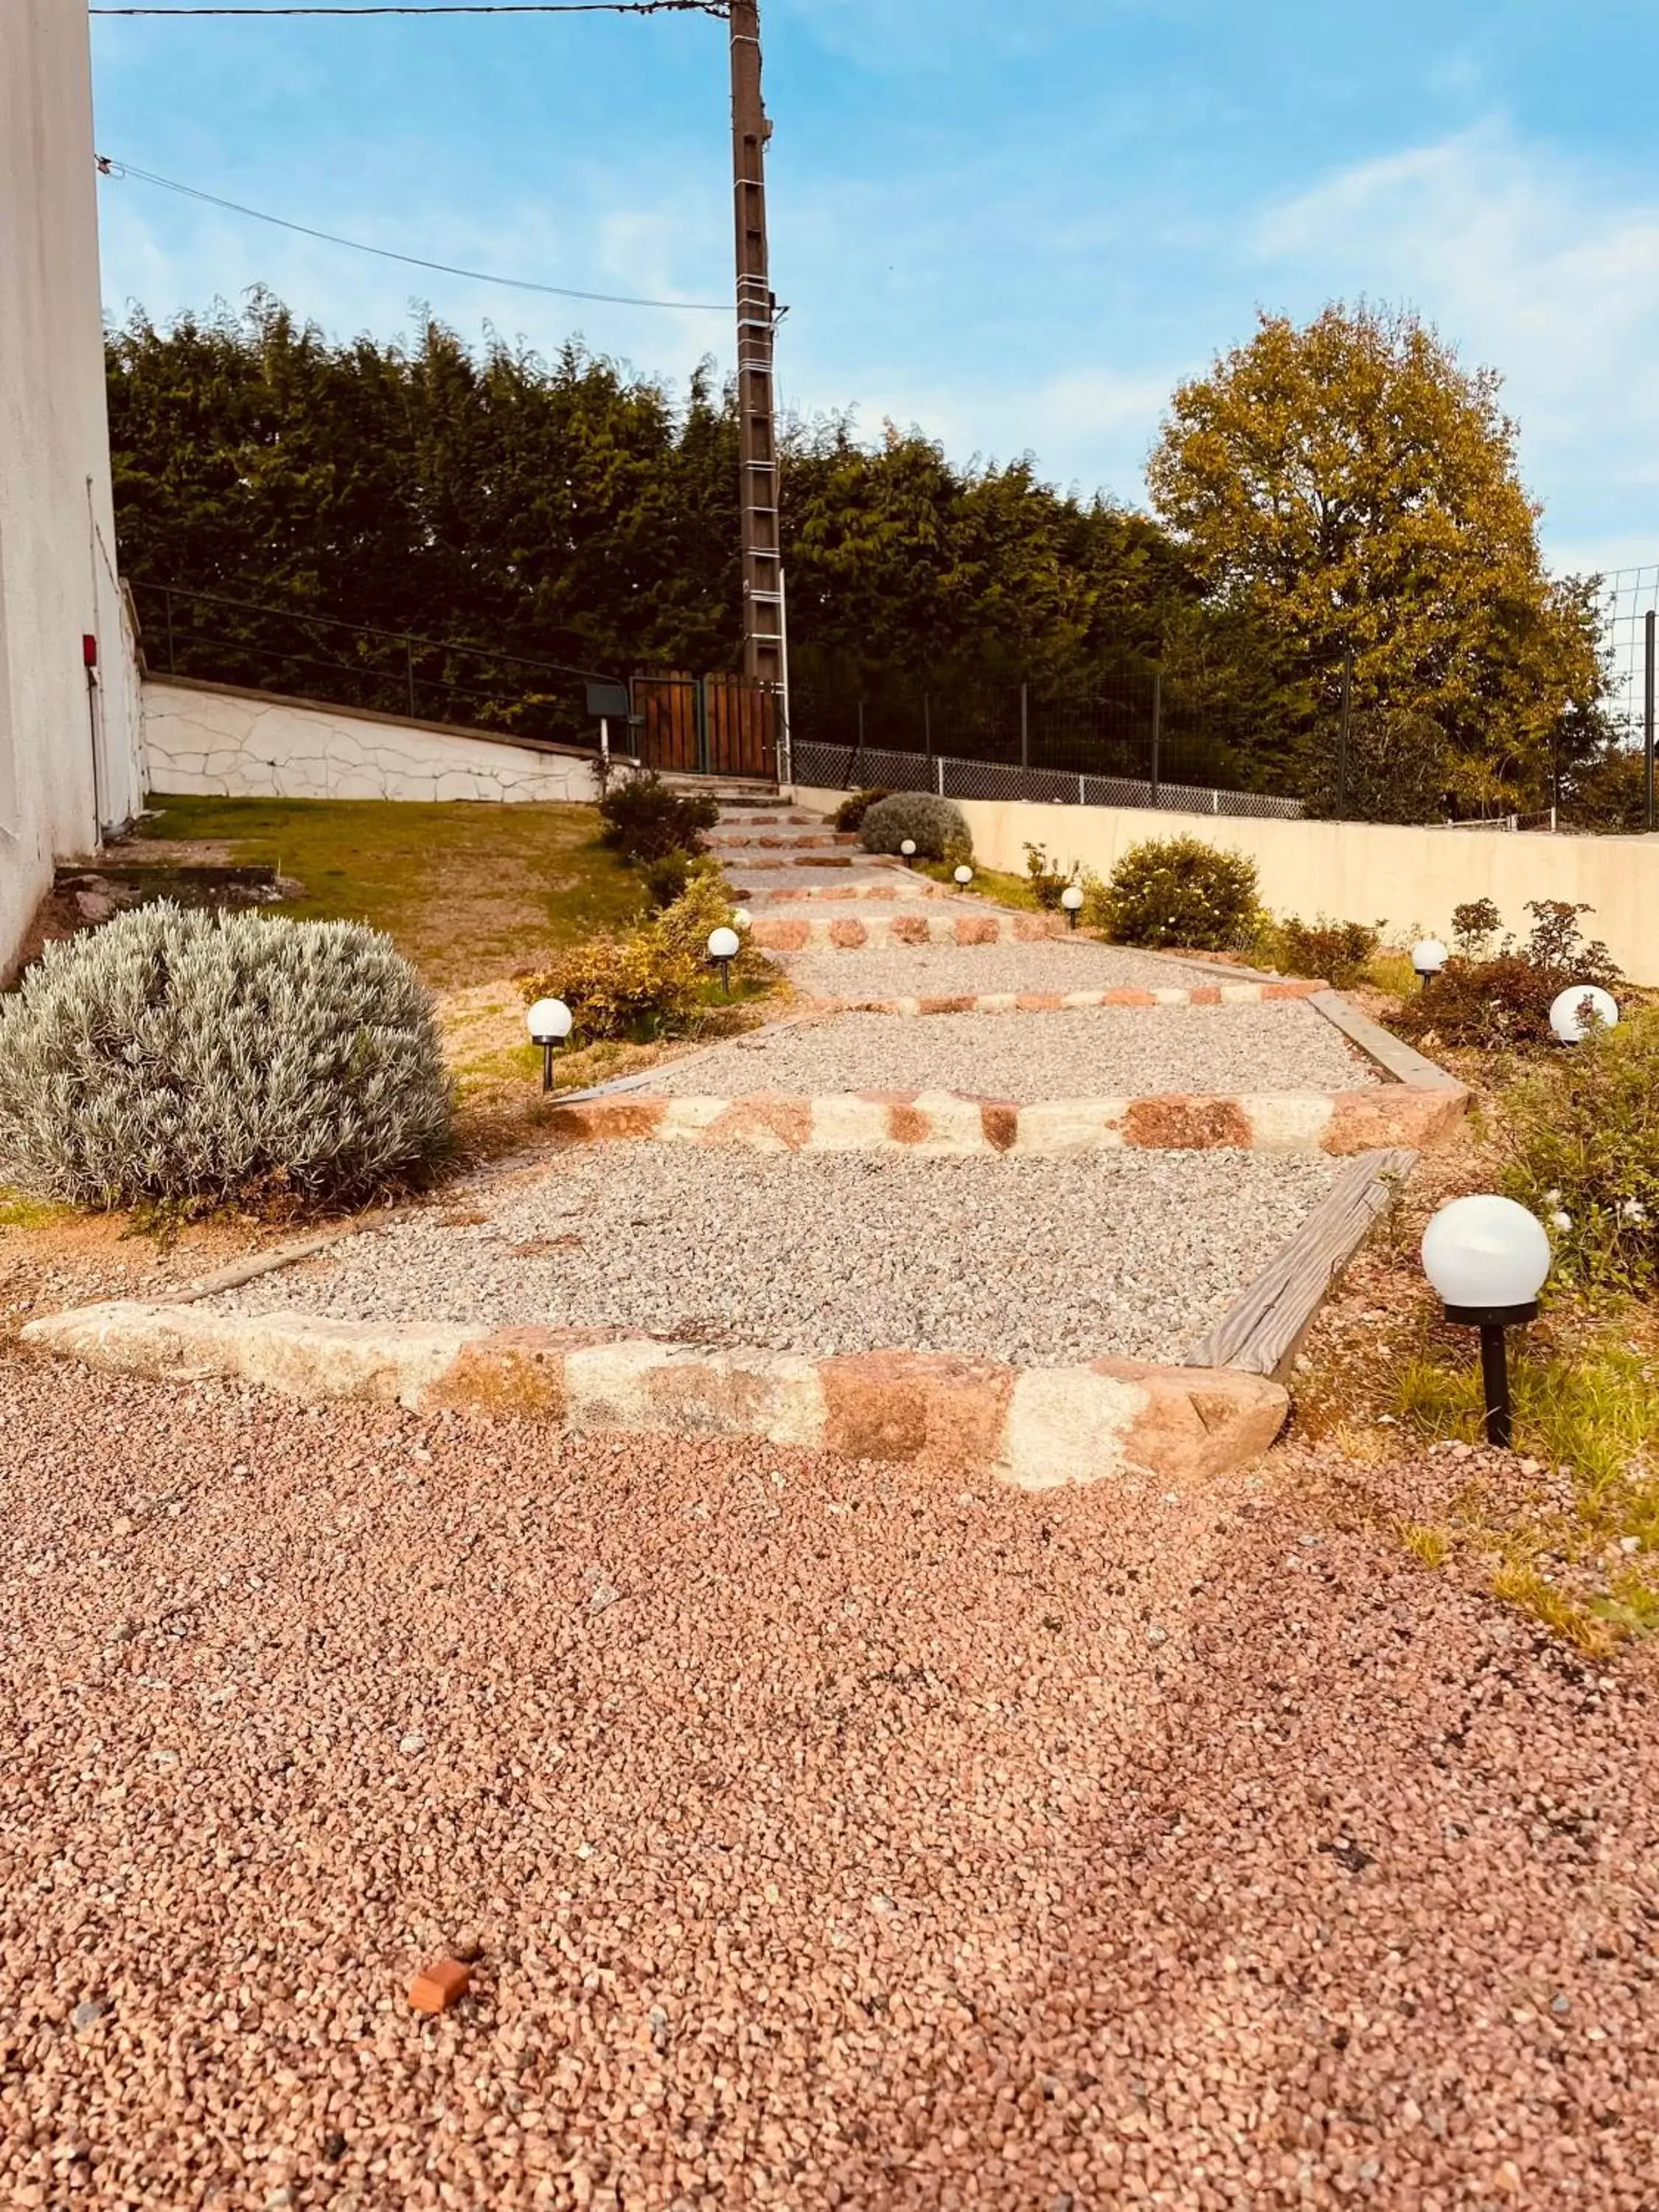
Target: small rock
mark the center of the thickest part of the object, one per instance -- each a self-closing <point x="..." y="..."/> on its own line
<point x="1630" y="1543"/>
<point x="334" y="2147"/>
<point x="1157" y="1635"/>
<point x="94" y="906"/>
<point x="1560" y="2004"/>
<point x="468" y="1948"/>
<point x="603" y="1597"/>
<point x="412" y="1742"/>
<point x="86" y="2013"/>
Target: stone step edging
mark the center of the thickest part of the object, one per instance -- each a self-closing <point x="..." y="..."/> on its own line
<point x="1034" y="1428"/>
<point x="1053" y="1002"/>
<point x="848" y="932"/>
<point x="945" y="1124"/>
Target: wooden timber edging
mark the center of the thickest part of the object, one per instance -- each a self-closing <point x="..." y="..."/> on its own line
<point x="1260" y="1333"/>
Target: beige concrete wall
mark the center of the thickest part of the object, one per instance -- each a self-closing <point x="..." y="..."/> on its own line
<point x="210" y="738"/>
<point x="1408" y="879"/>
<point x="67" y="748"/>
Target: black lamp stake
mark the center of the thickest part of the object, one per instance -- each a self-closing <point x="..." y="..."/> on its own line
<point x="1493" y="1322"/>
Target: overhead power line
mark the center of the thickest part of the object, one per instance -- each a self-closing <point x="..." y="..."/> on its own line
<point x="111" y="168"/>
<point x="463" y="7"/>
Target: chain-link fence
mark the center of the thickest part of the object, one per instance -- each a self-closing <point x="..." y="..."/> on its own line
<point x="1124" y="738"/>
<point x="841" y="768"/>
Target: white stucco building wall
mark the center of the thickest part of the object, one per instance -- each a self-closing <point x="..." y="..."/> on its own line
<point x="225" y="743"/>
<point x="69" y="745"/>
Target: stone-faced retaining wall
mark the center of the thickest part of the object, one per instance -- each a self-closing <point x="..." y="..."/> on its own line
<point x="228" y="744"/>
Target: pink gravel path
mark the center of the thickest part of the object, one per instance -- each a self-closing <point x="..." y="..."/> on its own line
<point x="831" y="1838"/>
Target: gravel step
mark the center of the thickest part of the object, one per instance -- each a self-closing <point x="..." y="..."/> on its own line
<point x="1034" y="1261"/>
<point x="888" y="885"/>
<point x="1059" y="963"/>
<point x="1116" y="1052"/>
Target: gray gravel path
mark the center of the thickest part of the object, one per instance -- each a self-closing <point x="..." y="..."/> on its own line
<point x="1059" y="963"/>
<point x="1106" y="1052"/>
<point x="1132" y="1253"/>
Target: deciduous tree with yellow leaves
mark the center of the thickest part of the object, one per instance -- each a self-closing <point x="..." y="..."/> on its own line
<point x="1349" y="484"/>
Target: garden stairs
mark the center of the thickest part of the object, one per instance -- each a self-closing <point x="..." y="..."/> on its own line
<point x="815" y="896"/>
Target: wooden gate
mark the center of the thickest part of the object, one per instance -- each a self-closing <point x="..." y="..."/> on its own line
<point x="718" y="724"/>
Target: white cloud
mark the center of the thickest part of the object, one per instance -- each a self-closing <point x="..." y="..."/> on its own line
<point x="1530" y="263"/>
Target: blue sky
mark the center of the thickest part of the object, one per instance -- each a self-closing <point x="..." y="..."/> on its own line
<point x="1014" y="226"/>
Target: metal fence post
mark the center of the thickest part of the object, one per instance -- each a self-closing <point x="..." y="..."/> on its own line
<point x="1024" y="726"/>
<point x="1158" y="729"/>
<point x="409" y="662"/>
<point x="167" y="599"/>
<point x="1648" y="795"/>
<point x="940" y="765"/>
<point x="1081" y="800"/>
<point x="927" y="724"/>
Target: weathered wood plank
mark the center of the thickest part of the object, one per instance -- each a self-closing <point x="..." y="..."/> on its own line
<point x="1392" y="1054"/>
<point x="1260" y="1332"/>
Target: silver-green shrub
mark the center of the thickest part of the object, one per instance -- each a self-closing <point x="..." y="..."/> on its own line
<point x="936" y="824"/>
<point x="176" y="1057"/>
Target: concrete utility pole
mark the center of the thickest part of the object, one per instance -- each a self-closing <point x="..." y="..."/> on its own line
<point x="763" y="552"/>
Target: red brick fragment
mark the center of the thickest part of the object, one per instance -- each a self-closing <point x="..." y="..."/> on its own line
<point x="438" y="1986"/>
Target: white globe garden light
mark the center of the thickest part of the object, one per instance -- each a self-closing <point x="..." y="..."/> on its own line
<point x="742" y="918"/>
<point x="907" y="848"/>
<point x="1072" y="899"/>
<point x="1567" y="1012"/>
<point x="964" y="875"/>
<point x="550" y="1022"/>
<point x="723" y="946"/>
<point x="1429" y="957"/>
<point x="1488" y="1258"/>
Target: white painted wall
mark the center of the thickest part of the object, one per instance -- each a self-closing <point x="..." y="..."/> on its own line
<point x="68" y="749"/>
<point x="1357" y="871"/>
<point x="208" y="737"/>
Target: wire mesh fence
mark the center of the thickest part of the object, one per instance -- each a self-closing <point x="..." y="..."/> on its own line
<point x="837" y="767"/>
<point x="1117" y="738"/>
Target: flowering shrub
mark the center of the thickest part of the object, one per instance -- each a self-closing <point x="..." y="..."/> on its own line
<point x="653" y="982"/>
<point x="194" y="1059"/>
<point x="1500" y="1000"/>
<point x="1583" y="1154"/>
<point x="1177" y="891"/>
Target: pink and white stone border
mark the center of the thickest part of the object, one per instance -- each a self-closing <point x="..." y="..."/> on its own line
<point x="944" y="1124"/>
<point x="1035" y="1428"/>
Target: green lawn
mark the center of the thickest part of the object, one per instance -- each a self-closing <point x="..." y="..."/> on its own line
<point x="467" y="891"/>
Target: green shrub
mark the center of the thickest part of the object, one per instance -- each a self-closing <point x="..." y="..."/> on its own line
<point x="936" y="824"/>
<point x="1045" y="879"/>
<point x="1337" y="952"/>
<point x="195" y="1059"/>
<point x="1500" y="1001"/>
<point x="850" y="814"/>
<point x="651" y="983"/>
<point x="646" y="820"/>
<point x="1177" y="891"/>
<point x="665" y="880"/>
<point x="1584" y="1144"/>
